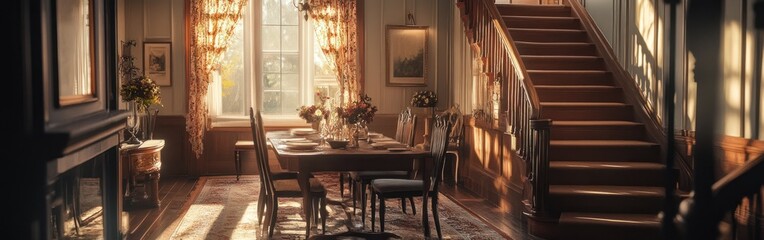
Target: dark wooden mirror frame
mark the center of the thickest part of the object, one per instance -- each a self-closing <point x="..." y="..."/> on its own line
<point x="90" y="96"/>
<point x="66" y="109"/>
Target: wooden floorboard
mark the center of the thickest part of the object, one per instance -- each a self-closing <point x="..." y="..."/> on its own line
<point x="175" y="194"/>
<point x="509" y="225"/>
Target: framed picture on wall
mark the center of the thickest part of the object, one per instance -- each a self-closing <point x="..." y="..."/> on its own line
<point x="406" y="55"/>
<point x="157" y="63"/>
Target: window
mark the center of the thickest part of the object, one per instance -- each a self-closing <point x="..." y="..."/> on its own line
<point x="273" y="63"/>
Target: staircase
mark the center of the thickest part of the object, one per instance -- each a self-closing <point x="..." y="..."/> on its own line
<point x="605" y="175"/>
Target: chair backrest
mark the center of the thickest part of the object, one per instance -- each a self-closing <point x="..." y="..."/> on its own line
<point x="457" y="125"/>
<point x="261" y="150"/>
<point x="441" y="129"/>
<point x="404" y="132"/>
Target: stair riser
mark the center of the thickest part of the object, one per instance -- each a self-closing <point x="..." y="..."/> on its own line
<point x="636" y="132"/>
<point x="552" y="63"/>
<point x="604" y="154"/>
<point x="607" y="176"/>
<point x="533" y="11"/>
<point x="608" y="231"/>
<point x="571" y="78"/>
<point x="563" y="113"/>
<point x="558" y="50"/>
<point x="605" y="203"/>
<point x="548" y="36"/>
<point x="521" y="22"/>
<point x="579" y="95"/>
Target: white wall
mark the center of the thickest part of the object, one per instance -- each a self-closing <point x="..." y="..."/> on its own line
<point x="639" y="40"/>
<point x="159" y="21"/>
<point x="436" y="15"/>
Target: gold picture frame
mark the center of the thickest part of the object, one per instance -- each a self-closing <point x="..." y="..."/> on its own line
<point x="406" y="55"/>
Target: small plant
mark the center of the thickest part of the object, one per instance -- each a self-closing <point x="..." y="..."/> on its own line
<point x="424" y="99"/>
<point x="316" y="112"/>
<point x="357" y="111"/>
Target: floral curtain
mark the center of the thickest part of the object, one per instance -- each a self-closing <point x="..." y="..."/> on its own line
<point x="212" y="24"/>
<point x="335" y="28"/>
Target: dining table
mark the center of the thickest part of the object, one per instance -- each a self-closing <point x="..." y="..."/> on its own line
<point x="364" y="157"/>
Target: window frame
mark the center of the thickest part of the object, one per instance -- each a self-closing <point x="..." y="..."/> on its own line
<point x="256" y="62"/>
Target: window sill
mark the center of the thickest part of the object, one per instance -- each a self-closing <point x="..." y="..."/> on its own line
<point x="270" y="122"/>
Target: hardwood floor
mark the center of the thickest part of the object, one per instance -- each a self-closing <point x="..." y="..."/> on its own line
<point x="159" y="222"/>
<point x="505" y="223"/>
<point x="175" y="196"/>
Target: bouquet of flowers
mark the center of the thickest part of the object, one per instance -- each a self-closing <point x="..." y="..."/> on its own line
<point x="424" y="99"/>
<point x="358" y="111"/>
<point x="136" y="88"/>
<point x="142" y="90"/>
<point x="316" y="112"/>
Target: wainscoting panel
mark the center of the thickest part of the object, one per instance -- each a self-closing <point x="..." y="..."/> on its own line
<point x="491" y="170"/>
<point x="176" y="158"/>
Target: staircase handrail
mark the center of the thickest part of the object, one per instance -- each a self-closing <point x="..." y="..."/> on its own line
<point x="726" y="195"/>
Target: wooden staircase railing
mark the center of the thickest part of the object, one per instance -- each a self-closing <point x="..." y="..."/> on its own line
<point x="491" y="42"/>
<point x="727" y="193"/>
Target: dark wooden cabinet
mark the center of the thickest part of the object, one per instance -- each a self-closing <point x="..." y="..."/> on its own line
<point x="63" y="121"/>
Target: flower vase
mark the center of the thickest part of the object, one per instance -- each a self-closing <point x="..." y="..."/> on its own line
<point x="316" y="125"/>
<point x="352" y="131"/>
<point x="133" y="124"/>
<point x="148" y="119"/>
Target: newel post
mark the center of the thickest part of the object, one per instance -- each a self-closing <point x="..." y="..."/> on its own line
<point x="538" y="179"/>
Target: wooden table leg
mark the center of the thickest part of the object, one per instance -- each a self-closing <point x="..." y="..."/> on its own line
<point x="153" y="187"/>
<point x="304" y="179"/>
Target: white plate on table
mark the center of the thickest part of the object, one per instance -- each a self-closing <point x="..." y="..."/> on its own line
<point x="301" y="145"/>
<point x="375" y="135"/>
<point x="387" y="145"/>
<point x="295" y="140"/>
<point x="382" y="139"/>
<point x="398" y="149"/>
<point x="302" y="131"/>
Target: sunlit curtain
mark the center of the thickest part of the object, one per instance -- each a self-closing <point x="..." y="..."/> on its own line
<point x="212" y="24"/>
<point x="334" y="23"/>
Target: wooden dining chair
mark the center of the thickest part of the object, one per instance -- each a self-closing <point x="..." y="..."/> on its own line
<point x="455" y="140"/>
<point x="426" y="188"/>
<point x="361" y="179"/>
<point x="284" y="185"/>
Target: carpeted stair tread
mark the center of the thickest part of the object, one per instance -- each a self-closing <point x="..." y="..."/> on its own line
<point x="596" y="123"/>
<point x="543" y="35"/>
<point x="606" y="173"/>
<point x="606" y="165"/>
<point x="546" y="30"/>
<point x="538" y="17"/>
<point x="582" y="225"/>
<point x="601" y="143"/>
<point x="637" y="191"/>
<point x="612" y="219"/>
<point x="583" y="104"/>
<point x="533" y="10"/>
<point x="557" y="22"/>
<point x="556" y="48"/>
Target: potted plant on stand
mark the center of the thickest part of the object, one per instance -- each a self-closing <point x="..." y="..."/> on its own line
<point x="140" y="93"/>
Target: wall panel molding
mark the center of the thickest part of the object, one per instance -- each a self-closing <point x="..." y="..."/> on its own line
<point x="157" y="20"/>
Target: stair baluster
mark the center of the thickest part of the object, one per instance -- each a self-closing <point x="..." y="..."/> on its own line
<point x="491" y="42"/>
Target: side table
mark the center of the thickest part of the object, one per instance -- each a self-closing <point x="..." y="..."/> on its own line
<point x="144" y="161"/>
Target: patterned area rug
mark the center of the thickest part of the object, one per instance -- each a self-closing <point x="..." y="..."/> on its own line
<point x="227" y="209"/>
